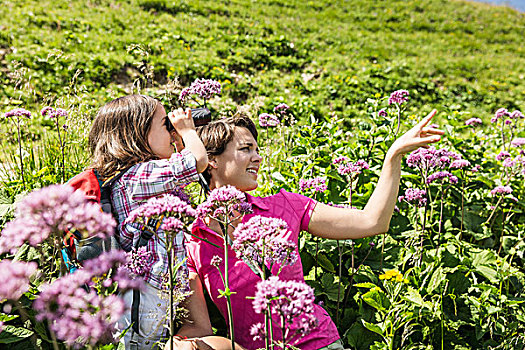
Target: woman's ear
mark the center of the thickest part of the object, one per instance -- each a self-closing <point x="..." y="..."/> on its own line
<point x="212" y="163"/>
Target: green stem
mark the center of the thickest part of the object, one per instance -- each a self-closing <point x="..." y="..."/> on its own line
<point x="20" y="152"/>
<point x="226" y="282"/>
<point x="170" y="267"/>
<point x="61" y="148"/>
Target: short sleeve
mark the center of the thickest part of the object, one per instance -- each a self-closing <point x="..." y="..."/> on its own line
<point x="302" y="205"/>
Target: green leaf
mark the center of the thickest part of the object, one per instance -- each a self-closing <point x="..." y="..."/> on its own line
<point x="376" y="299"/>
<point x="12" y="334"/>
<point x="435" y="281"/>
<point x="6" y="317"/>
<point x="488" y="273"/>
<point x="365" y="285"/>
<point x="325" y="263"/>
<point x="413" y="296"/>
<point x="372" y="327"/>
<point x="331" y="288"/>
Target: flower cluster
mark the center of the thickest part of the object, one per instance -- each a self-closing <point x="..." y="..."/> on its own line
<point x="441" y="175"/>
<point x="459" y="164"/>
<point x="168" y="205"/>
<point x="430" y="158"/>
<point x="517" y="115"/>
<point x="181" y="193"/>
<point x="204" y="88"/>
<point x="268" y="120"/>
<point x="223" y="202"/>
<point x="96" y="271"/>
<point x="502" y="155"/>
<point x="139" y="261"/>
<point x="77" y="316"/>
<point x="14" y="278"/>
<point x="414" y="196"/>
<point x="518" y="142"/>
<point x="216" y="261"/>
<point x="53" y="210"/>
<point x="500" y="114"/>
<point x="261" y="240"/>
<point x="398" y="97"/>
<point x="291" y="300"/>
<point x="346" y="167"/>
<point x="501" y="190"/>
<point x="473" y="122"/>
<point x="51" y="113"/>
<point x="393" y="275"/>
<point x="18" y="112"/>
<point x="317" y="184"/>
<point x="281" y="109"/>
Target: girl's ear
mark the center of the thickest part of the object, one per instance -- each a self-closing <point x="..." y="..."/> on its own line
<point x="212" y="163"/>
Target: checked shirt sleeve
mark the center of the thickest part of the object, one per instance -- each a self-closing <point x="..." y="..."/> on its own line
<point x="157" y="177"/>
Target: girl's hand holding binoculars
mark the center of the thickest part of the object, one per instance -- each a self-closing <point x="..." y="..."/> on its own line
<point x="182" y="121"/>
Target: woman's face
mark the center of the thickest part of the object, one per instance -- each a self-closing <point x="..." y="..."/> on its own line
<point x="159" y="138"/>
<point x="239" y="164"/>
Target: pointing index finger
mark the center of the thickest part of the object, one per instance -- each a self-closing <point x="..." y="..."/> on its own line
<point x="427" y="119"/>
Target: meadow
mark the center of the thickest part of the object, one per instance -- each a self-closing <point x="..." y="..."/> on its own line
<point x="449" y="274"/>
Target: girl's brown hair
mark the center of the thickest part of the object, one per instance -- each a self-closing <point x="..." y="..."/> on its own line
<point x="217" y="134"/>
<point x="119" y="136"/>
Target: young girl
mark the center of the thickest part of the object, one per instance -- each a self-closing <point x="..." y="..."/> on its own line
<point x="131" y="133"/>
<point x="234" y="160"/>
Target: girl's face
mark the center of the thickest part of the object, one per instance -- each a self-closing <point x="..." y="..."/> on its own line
<point x="159" y="138"/>
<point x="239" y="164"/>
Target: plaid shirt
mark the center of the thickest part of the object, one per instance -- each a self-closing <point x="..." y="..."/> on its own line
<point x="137" y="185"/>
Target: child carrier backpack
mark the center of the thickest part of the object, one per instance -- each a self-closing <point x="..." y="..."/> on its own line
<point x="98" y="190"/>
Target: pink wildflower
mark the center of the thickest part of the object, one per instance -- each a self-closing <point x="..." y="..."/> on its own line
<point x="473" y="122"/>
<point x="14" y="278"/>
<point x="398" y="97"/>
<point x="501" y="190"/>
<point x="317" y="184"/>
<point x="268" y="120"/>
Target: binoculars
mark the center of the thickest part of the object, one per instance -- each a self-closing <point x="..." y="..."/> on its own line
<point x="201" y="116"/>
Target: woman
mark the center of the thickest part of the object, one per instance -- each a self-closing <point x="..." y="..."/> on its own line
<point x="234" y="159"/>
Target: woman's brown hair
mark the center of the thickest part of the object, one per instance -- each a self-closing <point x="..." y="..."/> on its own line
<point x="217" y="134"/>
<point x="119" y="136"/>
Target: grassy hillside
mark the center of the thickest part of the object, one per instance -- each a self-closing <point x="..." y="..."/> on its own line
<point x="335" y="54"/>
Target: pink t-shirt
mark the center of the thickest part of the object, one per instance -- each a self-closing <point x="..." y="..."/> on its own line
<point x="296" y="210"/>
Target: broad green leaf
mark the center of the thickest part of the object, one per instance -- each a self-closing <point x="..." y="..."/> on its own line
<point x="325" y="263"/>
<point x="412" y="295"/>
<point x="488" y="273"/>
<point x="376" y="299"/>
<point x="435" y="281"/>
<point x="12" y="334"/>
<point x="372" y="327"/>
<point x="331" y="288"/>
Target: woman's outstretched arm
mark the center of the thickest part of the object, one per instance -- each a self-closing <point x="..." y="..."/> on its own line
<point x="341" y="223"/>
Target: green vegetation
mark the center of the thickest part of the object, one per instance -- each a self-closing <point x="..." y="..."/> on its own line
<point x="454" y="280"/>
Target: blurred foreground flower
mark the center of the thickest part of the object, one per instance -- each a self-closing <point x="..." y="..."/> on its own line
<point x="14" y="278"/>
<point x="291" y="301"/>
<point x="49" y="212"/>
<point x="261" y="240"/>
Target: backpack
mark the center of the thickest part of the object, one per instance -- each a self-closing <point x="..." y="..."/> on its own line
<point x="99" y="191"/>
<point x="96" y="190"/>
